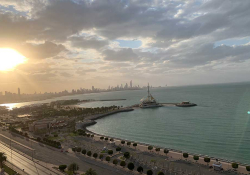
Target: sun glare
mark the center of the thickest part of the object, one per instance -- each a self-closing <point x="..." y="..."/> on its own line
<point x="10" y="58"/>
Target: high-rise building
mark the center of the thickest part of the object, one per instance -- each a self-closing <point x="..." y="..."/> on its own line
<point x="19" y="91"/>
<point x="131" y="85"/>
<point x="93" y="88"/>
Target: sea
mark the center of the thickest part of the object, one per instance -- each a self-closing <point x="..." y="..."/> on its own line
<point x="218" y="127"/>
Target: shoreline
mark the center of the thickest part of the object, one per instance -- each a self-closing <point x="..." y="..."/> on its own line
<point x="175" y="154"/>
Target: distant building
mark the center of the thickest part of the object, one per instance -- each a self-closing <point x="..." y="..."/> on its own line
<point x="93" y="88"/>
<point x="41" y="124"/>
<point x="131" y="85"/>
<point x="19" y="91"/>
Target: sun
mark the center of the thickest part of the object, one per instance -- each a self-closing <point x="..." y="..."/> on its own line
<point x="9" y="59"/>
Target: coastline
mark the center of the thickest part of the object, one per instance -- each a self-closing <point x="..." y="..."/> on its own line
<point x="173" y="153"/>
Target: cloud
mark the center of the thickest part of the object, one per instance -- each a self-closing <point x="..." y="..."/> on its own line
<point x="88" y="43"/>
<point x="82" y="71"/>
<point x="122" y="55"/>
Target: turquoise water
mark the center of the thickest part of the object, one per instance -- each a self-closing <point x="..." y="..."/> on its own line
<point x="219" y="126"/>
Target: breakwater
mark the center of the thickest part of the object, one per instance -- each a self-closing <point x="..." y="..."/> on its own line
<point x="88" y="121"/>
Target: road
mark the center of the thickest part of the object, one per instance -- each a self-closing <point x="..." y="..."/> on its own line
<point x="55" y="157"/>
<point x="22" y="162"/>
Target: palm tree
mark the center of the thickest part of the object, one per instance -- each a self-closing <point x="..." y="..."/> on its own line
<point x="73" y="167"/>
<point x="3" y="158"/>
<point x="90" y="172"/>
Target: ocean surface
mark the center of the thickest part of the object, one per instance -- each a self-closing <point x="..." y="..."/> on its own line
<point x="219" y="126"/>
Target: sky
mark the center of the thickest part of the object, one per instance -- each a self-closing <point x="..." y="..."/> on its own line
<point x="83" y="43"/>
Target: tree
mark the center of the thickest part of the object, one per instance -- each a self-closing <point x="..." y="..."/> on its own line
<point x="122" y="142"/>
<point x="115" y="161"/>
<point x="111" y="140"/>
<point x="123" y="164"/>
<point x="118" y="149"/>
<point x="3" y="158"/>
<point x="235" y="165"/>
<point x="140" y="169"/>
<point x="166" y="151"/>
<point x="38" y="139"/>
<point x="89" y="153"/>
<point x="196" y="158"/>
<point x="157" y="149"/>
<point x="101" y="156"/>
<point x="62" y="167"/>
<point x="73" y="167"/>
<point x="88" y="135"/>
<point x="160" y="173"/>
<point x="106" y="139"/>
<point x="78" y="149"/>
<point x="131" y="166"/>
<point x="92" y="136"/>
<point x="95" y="155"/>
<point x="110" y="152"/>
<point x="107" y="158"/>
<point x="84" y="151"/>
<point x="149" y="172"/>
<point x="101" y="138"/>
<point x="150" y="148"/>
<point x="127" y="155"/>
<point x="90" y="172"/>
<point x="207" y="160"/>
<point x="248" y="168"/>
<point x="129" y="143"/>
<point x="185" y="155"/>
<point x="74" y="149"/>
<point x="135" y="145"/>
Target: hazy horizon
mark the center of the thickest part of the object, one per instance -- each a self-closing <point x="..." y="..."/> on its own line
<point x="71" y="44"/>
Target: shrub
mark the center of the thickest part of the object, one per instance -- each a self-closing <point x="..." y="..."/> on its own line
<point x="110" y="152"/>
<point x="74" y="149"/>
<point x="88" y="135"/>
<point x="127" y="155"/>
<point x="118" y="149"/>
<point x="131" y="166"/>
<point x="115" y="161"/>
<point x="101" y="156"/>
<point x="123" y="142"/>
<point x="248" y="168"/>
<point x="128" y="143"/>
<point x="150" y="148"/>
<point x="92" y="135"/>
<point x="55" y="135"/>
<point x="160" y="173"/>
<point x="196" y="158"/>
<point x="235" y="165"/>
<point x="123" y="164"/>
<point x="107" y="158"/>
<point x="95" y="155"/>
<point x="149" y="172"/>
<point x="62" y="167"/>
<point x="84" y="151"/>
<point x="185" y="155"/>
<point x="101" y="138"/>
<point x="111" y="140"/>
<point x="140" y="169"/>
<point x="106" y="138"/>
<point x="89" y="153"/>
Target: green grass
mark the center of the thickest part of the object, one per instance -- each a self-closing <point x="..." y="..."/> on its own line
<point x="73" y="134"/>
<point x="9" y="170"/>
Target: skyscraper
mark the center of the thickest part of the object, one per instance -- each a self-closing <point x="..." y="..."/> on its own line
<point x="131" y="85"/>
<point x="19" y="91"/>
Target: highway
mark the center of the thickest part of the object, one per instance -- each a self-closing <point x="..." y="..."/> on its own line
<point x="29" y="166"/>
